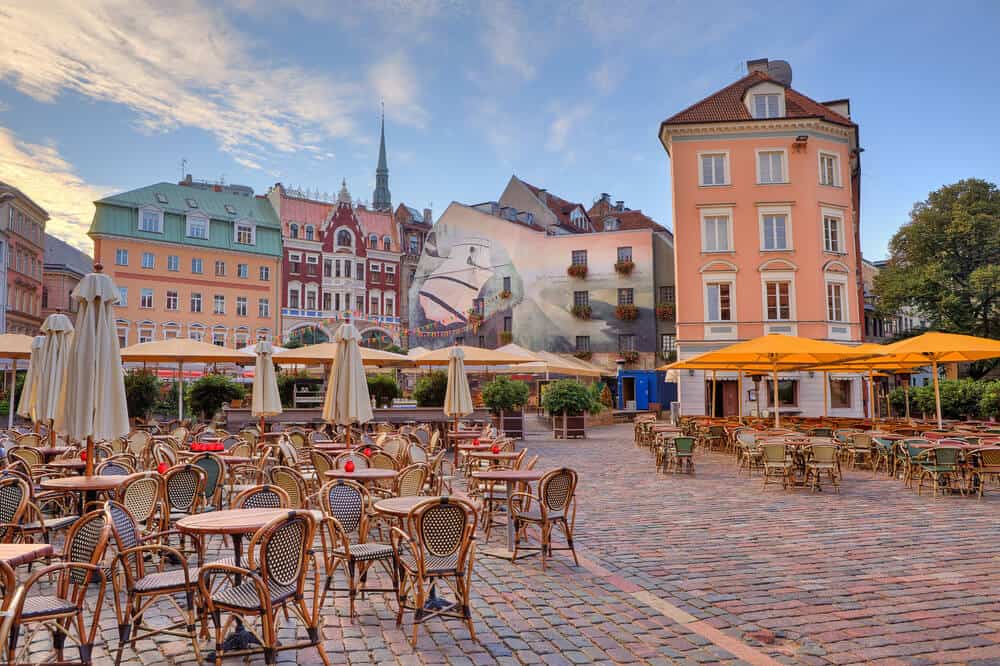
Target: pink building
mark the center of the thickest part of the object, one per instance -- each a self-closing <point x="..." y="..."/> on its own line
<point x="766" y="216"/>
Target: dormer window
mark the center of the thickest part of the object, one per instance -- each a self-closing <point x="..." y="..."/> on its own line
<point x="244" y="233"/>
<point x="151" y="220"/>
<point x="767" y="105"/>
<point x="191" y="203"/>
<point x="611" y="224"/>
<point x="230" y="209"/>
<point x="161" y="197"/>
<point x="577" y="218"/>
<point x="197" y="227"/>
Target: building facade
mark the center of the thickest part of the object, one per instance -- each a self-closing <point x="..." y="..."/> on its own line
<point x="23" y="247"/>
<point x="413" y="229"/>
<point x="766" y="205"/>
<point x="191" y="260"/>
<point x="880" y="327"/>
<point x="65" y="266"/>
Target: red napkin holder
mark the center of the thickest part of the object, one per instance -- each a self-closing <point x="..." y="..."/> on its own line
<point x="475" y="442"/>
<point x="349" y="466"/>
<point x="495" y="449"/>
<point x="83" y="456"/>
<point x="368" y="452"/>
<point x="162" y="467"/>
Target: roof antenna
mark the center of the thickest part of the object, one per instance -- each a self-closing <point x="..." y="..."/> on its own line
<point x="184" y="166"/>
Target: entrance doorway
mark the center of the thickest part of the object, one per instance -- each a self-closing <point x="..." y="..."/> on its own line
<point x="628" y="393"/>
<point x="727" y="397"/>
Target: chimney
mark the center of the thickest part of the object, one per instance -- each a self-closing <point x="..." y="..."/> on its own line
<point x="605" y="198"/>
<point x="619" y="206"/>
<point x="428" y="218"/>
<point x="188" y="179"/>
<point x="759" y="65"/>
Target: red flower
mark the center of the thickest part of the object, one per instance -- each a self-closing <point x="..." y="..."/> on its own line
<point x="349" y="466"/>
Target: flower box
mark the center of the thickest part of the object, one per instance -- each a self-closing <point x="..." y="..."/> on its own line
<point x="627" y="312"/>
<point x="581" y="311"/>
<point x="577" y="270"/>
<point x="624" y="267"/>
<point x="630" y="356"/>
<point x="666" y="311"/>
<point x="585" y="355"/>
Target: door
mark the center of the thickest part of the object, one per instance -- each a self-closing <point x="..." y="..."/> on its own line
<point x="730" y="398"/>
<point x="642" y="392"/>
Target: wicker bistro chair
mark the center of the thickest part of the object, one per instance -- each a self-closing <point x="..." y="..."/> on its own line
<point x="361" y="461"/>
<point x="114" y="467"/>
<point x="554" y="506"/>
<point x="64" y="611"/>
<point x="289" y="480"/>
<point x="142" y="495"/>
<point x="184" y="489"/>
<point x="215" y="478"/>
<point x="984" y="464"/>
<point x="437" y="547"/>
<point x="883" y="455"/>
<point x="278" y="563"/>
<point x="142" y="588"/>
<point x="941" y="465"/>
<point x="262" y="497"/>
<point x="15" y="498"/>
<point x="823" y="458"/>
<point x="680" y="455"/>
<point x="859" y="449"/>
<point x="777" y="463"/>
<point x="346" y="525"/>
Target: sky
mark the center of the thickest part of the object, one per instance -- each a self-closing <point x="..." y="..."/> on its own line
<point x="105" y="96"/>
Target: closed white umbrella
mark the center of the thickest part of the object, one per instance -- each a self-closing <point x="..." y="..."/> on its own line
<point x="29" y="391"/>
<point x="266" y="399"/>
<point x="347" y="400"/>
<point x="93" y="403"/>
<point x="457" y="396"/>
<point x="58" y="332"/>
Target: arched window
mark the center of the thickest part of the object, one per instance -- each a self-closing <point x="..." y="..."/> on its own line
<point x="344" y="238"/>
<point x="309" y="232"/>
<point x="293" y="230"/>
<point x="373" y="242"/>
<point x="386" y="243"/>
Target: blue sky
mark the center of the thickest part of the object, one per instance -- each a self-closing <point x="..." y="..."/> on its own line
<point x="568" y="96"/>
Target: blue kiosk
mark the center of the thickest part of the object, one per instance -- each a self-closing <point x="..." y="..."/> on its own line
<point x="638" y="388"/>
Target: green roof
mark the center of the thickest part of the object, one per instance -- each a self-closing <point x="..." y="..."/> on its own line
<point x="216" y="205"/>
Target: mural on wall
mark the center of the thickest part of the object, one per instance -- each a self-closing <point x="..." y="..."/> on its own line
<point x="478" y="271"/>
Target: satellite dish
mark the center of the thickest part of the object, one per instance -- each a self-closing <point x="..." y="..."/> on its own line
<point x="780" y="71"/>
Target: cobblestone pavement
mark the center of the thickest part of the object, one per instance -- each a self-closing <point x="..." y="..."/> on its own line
<point x="699" y="569"/>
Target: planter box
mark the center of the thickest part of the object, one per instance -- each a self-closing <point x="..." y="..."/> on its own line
<point x="568" y="427"/>
<point x="512" y="425"/>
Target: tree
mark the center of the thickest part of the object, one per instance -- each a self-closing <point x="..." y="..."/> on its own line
<point x="945" y="261"/>
<point x="210" y="392"/>
<point x="430" y="389"/>
<point x="504" y="395"/>
<point x="383" y="388"/>
<point x="142" y="393"/>
<point x="571" y="397"/>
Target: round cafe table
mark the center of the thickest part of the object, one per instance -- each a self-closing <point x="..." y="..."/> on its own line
<point x="363" y="476"/>
<point x="338" y="447"/>
<point x="74" y="465"/>
<point x="400" y="507"/>
<point x="87" y="486"/>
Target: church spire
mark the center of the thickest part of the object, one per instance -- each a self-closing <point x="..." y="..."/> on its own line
<point x="344" y="196"/>
<point x="381" y="198"/>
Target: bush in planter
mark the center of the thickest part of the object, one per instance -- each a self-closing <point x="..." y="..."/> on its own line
<point x="959" y="398"/>
<point x="210" y="392"/>
<point x="430" y="389"/>
<point x="581" y="311"/>
<point x="897" y="399"/>
<point x="630" y="356"/>
<point x="577" y="270"/>
<point x="570" y="397"/>
<point x="627" y="312"/>
<point x="624" y="267"/>
<point x="505" y="395"/>
<point x="142" y="393"/>
<point x="585" y="355"/>
<point x="384" y="389"/>
<point x="286" y="387"/>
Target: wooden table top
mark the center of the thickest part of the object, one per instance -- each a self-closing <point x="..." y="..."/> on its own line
<point x="465" y="435"/>
<point x="69" y="464"/>
<point x="84" y="483"/>
<point x="330" y="446"/>
<point x="510" y="475"/>
<point x="22" y="553"/>
<point x="369" y="474"/>
<point x="502" y="455"/>
<point x="52" y="450"/>
<point x="401" y="506"/>
<point x="272" y="435"/>
<point x="233" y="521"/>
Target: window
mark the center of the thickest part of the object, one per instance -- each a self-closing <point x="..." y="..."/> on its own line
<point x="220" y="269"/>
<point x="482" y="341"/>
<point x="219" y="338"/>
<point x="766" y="106"/>
<point x="171" y="300"/>
<point x="667" y="294"/>
<point x="151" y="220"/>
<point x="173" y="263"/>
<point x="121" y="257"/>
<point x="579" y="258"/>
<point x="360" y="274"/>
<point x="293" y="230"/>
<point x="148" y="260"/>
<point x="774" y="229"/>
<point x="146" y="299"/>
<point x="295" y="261"/>
<point x="668" y="343"/>
<point x="145" y="333"/>
<point x="373" y="242"/>
<point x="123" y="296"/>
<point x="243" y="271"/>
<point x="293" y="299"/>
<point x="714" y="169"/>
<point x="771" y="166"/>
<point x="506" y="283"/>
<point x="244" y="233"/>
<point x="626" y="296"/>
<point x="386" y="243"/>
<point x="347" y="269"/>
<point x="310" y="299"/>
<point x="390" y="310"/>
<point x="373" y="308"/>
<point x="625" y="254"/>
<point x="265" y="273"/>
<point x="829" y="169"/>
<point x="840" y="393"/>
<point x="197" y="227"/>
<point x="778" y="300"/>
<point x="309" y="232"/>
<point x="508" y="324"/>
<point x="414" y="245"/>
<point x="581" y="299"/>
<point x="375" y="268"/>
<point x="715" y="233"/>
<point x="831" y="234"/>
<point x="583" y="343"/>
<point x="359" y="304"/>
<point x="336" y="268"/>
<point x="327" y="302"/>
<point x="312" y="264"/>
<point x="219" y="304"/>
<point x="834" y="301"/>
<point x="788" y="393"/>
<point x="626" y="342"/>
<point x="197" y="267"/>
<point x="195" y="302"/>
<point x="718" y="297"/>
<point x="263" y="308"/>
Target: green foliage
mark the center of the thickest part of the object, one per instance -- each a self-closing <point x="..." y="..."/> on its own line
<point x="168" y="403"/>
<point x="960" y="399"/>
<point x="989" y="401"/>
<point x="572" y="397"/>
<point x="607" y="399"/>
<point x="210" y="392"/>
<point x="430" y="389"/>
<point x="286" y="387"/>
<point x="383" y="388"/>
<point x="4" y="408"/>
<point x="897" y="398"/>
<point x="503" y="394"/>
<point x="944" y="261"/>
<point x="142" y="393"/>
<point x="395" y="349"/>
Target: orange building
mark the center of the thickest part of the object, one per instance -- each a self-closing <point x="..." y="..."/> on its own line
<point x="195" y="260"/>
<point x="766" y="217"/>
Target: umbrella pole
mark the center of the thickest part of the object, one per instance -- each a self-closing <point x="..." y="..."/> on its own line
<point x="777" y="416"/>
<point x="261" y="425"/>
<point x="739" y="391"/>
<point x="455" y="443"/>
<point x="937" y="393"/>
<point x="906" y="397"/>
<point x="826" y="387"/>
<point x="180" y="392"/>
<point x="13" y="396"/>
<point x="52" y="433"/>
<point x="871" y="396"/>
<point x="713" y="394"/>
<point x="90" y="456"/>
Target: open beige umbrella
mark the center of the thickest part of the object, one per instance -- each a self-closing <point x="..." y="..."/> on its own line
<point x="324" y="352"/>
<point x="457" y="396"/>
<point x="266" y="399"/>
<point x="29" y="391"/>
<point x="347" y="400"/>
<point x="470" y="355"/>
<point x="92" y="404"/>
<point x="58" y="332"/>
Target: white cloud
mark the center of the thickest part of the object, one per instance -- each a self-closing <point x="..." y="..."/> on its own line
<point x="43" y="174"/>
<point x="395" y="81"/>
<point x="507" y="40"/>
<point x="606" y="77"/>
<point x="567" y="119"/>
<point x="175" y="64"/>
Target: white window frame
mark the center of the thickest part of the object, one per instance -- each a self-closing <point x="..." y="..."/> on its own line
<point x="709" y="279"/>
<point x="218" y="304"/>
<point x="784" y="166"/>
<point x="201" y="266"/>
<point x="159" y="219"/>
<point x="252" y="229"/>
<point x="374" y="267"/>
<point x="725" y="167"/>
<point x="243" y="271"/>
<point x="123" y="297"/>
<point x="717" y="212"/>
<point x="779" y="99"/>
<point x="263" y="308"/>
<point x="173" y="263"/>
<point x="120" y="254"/>
<point x="176" y="296"/>
<point x="841" y="227"/>
<point x="832" y="279"/>
<point x="779" y="276"/>
<point x="264" y="274"/>
<point x="146" y="297"/>
<point x="188" y="227"/>
<point x="836" y="168"/>
<point x="242" y="305"/>
<point x="786" y="211"/>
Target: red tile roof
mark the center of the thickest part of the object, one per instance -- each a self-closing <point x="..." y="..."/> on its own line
<point x="378" y="222"/>
<point x="559" y="206"/>
<point x="630" y="220"/>
<point x="727" y="105"/>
